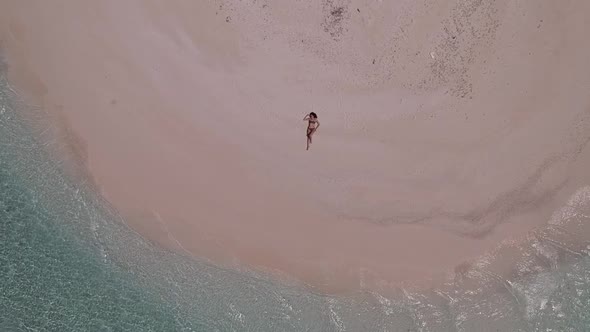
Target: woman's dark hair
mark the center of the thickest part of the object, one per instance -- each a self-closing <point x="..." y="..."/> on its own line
<point x="313" y="114"/>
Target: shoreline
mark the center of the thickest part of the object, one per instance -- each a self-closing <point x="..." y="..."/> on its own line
<point x="542" y="268"/>
<point x="131" y="144"/>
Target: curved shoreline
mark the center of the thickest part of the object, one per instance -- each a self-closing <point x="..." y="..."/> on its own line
<point x="227" y="191"/>
<point x="543" y="282"/>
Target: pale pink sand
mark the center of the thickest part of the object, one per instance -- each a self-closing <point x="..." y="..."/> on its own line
<point x="447" y="126"/>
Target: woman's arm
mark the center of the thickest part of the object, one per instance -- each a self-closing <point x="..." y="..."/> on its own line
<point x="318" y="126"/>
<point x="306" y="117"/>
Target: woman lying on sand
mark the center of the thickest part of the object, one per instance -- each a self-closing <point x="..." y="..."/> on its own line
<point x="312" y="125"/>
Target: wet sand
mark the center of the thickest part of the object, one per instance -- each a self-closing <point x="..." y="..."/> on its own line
<point x="445" y="128"/>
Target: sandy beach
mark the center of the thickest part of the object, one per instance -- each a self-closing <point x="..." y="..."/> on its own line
<point x="446" y="127"/>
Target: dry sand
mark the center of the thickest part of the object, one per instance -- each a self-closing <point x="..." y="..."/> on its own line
<point x="447" y="126"/>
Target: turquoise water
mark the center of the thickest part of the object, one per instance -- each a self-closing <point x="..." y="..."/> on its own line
<point x="69" y="263"/>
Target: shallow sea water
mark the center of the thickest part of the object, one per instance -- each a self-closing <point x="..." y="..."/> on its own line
<point x="69" y="263"/>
